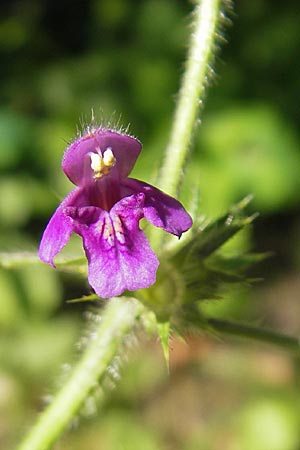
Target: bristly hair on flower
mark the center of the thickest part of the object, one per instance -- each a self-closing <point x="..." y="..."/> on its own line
<point x="105" y="209"/>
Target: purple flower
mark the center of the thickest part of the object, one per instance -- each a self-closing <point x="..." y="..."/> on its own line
<point x="105" y="209"/>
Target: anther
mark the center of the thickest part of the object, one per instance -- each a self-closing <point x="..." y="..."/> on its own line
<point x="102" y="165"/>
<point x="96" y="164"/>
<point x="108" y="158"/>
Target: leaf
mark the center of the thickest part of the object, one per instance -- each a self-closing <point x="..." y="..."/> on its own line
<point x="163" y="330"/>
<point x="85" y="298"/>
<point x="16" y="259"/>
<point x="238" y="263"/>
<point x="208" y="239"/>
<point x="25" y="258"/>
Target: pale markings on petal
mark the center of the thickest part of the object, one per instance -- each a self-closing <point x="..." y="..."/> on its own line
<point x="119" y="230"/>
<point x="108" y="233"/>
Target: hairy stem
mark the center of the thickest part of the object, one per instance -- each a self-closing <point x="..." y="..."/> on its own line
<point x="116" y="324"/>
<point x="191" y="94"/>
<point x="256" y="333"/>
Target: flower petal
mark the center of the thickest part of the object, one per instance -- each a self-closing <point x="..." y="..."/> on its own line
<point x="119" y="255"/>
<point x="77" y="165"/>
<point x="160" y="209"/>
<point x="58" y="230"/>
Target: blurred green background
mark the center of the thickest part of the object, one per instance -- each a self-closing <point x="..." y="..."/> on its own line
<point x="124" y="59"/>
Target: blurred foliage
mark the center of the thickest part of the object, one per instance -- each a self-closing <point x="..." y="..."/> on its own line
<point x="60" y="59"/>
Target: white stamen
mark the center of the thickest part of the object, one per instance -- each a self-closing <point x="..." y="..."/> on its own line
<point x="108" y="158"/>
<point x="96" y="162"/>
<point x="101" y="165"/>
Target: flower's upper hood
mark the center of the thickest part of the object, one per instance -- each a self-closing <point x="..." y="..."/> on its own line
<point x="77" y="162"/>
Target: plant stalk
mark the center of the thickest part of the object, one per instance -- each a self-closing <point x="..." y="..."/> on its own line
<point x="117" y="322"/>
<point x="206" y="18"/>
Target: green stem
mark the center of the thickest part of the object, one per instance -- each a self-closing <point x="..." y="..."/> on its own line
<point x="191" y="93"/>
<point x="116" y="323"/>
<point x="251" y="332"/>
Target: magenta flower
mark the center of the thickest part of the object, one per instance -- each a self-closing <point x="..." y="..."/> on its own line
<point x="105" y="209"/>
